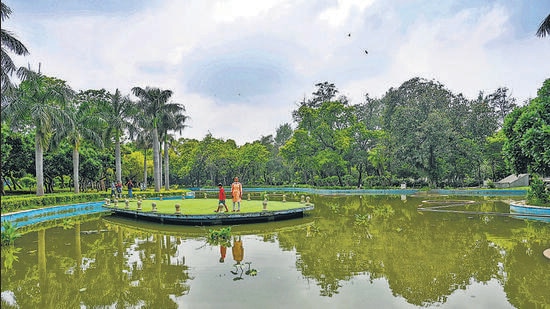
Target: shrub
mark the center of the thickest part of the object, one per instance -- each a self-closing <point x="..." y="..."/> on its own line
<point x="538" y="193"/>
<point x="9" y="234"/>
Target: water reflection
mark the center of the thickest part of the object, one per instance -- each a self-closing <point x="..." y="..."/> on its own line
<point x="350" y="251"/>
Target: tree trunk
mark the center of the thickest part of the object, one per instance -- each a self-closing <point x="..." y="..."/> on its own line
<point x="360" y="178"/>
<point x="39" y="165"/>
<point x="160" y="164"/>
<point x="166" y="167"/>
<point x="145" y="168"/>
<point x="76" y="163"/>
<point x="118" y="160"/>
<point x="156" y="171"/>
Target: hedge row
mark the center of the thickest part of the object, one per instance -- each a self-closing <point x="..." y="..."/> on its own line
<point x="17" y="203"/>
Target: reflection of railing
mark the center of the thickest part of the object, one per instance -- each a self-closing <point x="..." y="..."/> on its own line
<point x="33" y="216"/>
<point x="442" y="205"/>
<point x="480" y="192"/>
<point x="194" y="231"/>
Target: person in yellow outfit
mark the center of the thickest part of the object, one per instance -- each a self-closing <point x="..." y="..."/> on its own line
<point x="237" y="250"/>
<point x="237" y="193"/>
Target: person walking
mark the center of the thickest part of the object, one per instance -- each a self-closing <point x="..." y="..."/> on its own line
<point x="221" y="199"/>
<point x="236" y="193"/>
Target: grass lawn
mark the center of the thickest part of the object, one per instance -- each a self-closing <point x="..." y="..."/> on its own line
<point x="201" y="206"/>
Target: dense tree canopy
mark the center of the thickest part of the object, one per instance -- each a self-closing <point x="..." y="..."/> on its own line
<point x="527" y="129"/>
<point x="419" y="133"/>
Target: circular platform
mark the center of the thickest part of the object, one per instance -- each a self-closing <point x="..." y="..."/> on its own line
<point x="200" y="212"/>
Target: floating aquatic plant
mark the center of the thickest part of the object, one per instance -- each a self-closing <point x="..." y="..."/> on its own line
<point x="221" y="237"/>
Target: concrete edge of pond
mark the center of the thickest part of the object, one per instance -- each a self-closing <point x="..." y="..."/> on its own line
<point x="213" y="219"/>
<point x="521" y="208"/>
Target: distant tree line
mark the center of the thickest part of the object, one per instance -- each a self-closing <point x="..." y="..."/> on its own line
<point x="420" y="133"/>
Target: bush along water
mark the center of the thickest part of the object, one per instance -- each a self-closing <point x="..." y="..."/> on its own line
<point x="9" y="233"/>
<point x="538" y="193"/>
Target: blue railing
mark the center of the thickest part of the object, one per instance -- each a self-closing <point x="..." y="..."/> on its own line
<point x="33" y="216"/>
<point x="480" y="192"/>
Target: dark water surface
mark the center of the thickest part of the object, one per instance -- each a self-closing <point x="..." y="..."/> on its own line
<point x="351" y="251"/>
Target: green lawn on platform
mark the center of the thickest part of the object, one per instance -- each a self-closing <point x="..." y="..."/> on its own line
<point x="201" y="206"/>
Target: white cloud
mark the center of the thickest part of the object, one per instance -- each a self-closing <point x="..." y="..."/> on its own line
<point x="278" y="50"/>
<point x="230" y="10"/>
<point x="337" y="15"/>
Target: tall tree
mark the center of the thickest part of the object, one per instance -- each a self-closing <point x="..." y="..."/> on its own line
<point x="87" y="124"/>
<point x="117" y="111"/>
<point x="154" y="102"/>
<point x="172" y="119"/>
<point x="416" y="115"/>
<point x="502" y="103"/>
<point x="12" y="44"/>
<point x="40" y="102"/>
<point x="141" y="132"/>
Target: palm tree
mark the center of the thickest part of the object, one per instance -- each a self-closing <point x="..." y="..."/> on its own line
<point x="141" y="133"/>
<point x="117" y="112"/>
<point x="544" y="28"/>
<point x="171" y="121"/>
<point x="86" y="123"/>
<point x="9" y="43"/>
<point x="39" y="103"/>
<point x="153" y="101"/>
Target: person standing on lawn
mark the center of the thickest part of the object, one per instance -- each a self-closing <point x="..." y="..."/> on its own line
<point x="237" y="193"/>
<point x="130" y="186"/>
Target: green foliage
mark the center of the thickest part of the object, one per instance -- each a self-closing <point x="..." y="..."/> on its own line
<point x="221" y="237"/>
<point x="420" y="133"/>
<point x="68" y="224"/>
<point x="29" y="202"/>
<point x="538" y="193"/>
<point x="9" y="255"/>
<point x="362" y="219"/>
<point x="527" y="129"/>
<point x="9" y="233"/>
<point x="384" y="211"/>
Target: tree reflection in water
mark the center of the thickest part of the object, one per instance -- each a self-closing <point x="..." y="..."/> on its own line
<point x="425" y="258"/>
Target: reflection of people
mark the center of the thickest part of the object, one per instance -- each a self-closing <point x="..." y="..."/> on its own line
<point x="223" y="250"/>
<point x="237" y="250"/>
<point x="236" y="193"/>
<point x="221" y="199"/>
<point x="130" y="186"/>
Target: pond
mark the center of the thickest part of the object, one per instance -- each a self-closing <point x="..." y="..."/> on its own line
<point x="351" y="251"/>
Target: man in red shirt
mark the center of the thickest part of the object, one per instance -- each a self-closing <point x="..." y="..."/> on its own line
<point x="221" y="199"/>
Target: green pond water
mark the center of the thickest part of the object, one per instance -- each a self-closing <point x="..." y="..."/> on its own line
<point x="350" y="252"/>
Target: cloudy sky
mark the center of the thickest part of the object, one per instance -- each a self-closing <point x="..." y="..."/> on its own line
<point x="240" y="66"/>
